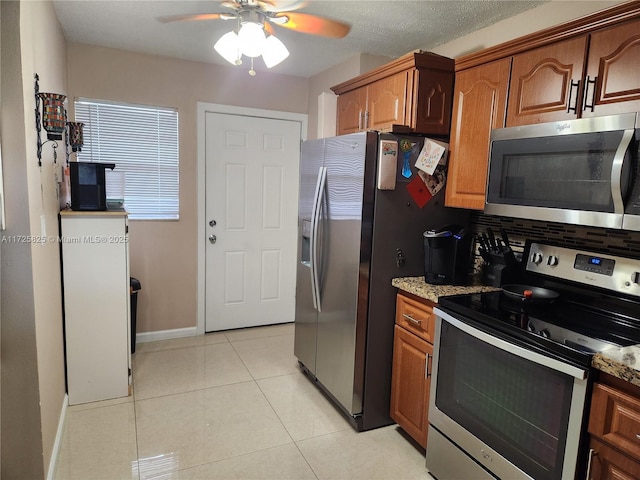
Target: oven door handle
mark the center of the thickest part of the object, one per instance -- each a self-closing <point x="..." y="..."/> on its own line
<point x="517" y="350"/>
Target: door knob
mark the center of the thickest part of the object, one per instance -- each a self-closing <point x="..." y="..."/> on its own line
<point x="212" y="238"/>
<point x="212" y="223"/>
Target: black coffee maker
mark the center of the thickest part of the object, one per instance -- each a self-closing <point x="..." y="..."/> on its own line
<point x="447" y="255"/>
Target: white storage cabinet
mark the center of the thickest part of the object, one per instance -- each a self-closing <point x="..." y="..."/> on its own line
<point x="95" y="265"/>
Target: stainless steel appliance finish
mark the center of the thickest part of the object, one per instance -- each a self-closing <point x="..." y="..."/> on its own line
<point x="353" y="239"/>
<point x="582" y="171"/>
<point x="510" y="378"/>
<point x="456" y="436"/>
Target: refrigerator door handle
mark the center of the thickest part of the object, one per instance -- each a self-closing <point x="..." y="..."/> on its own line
<point x="315" y="222"/>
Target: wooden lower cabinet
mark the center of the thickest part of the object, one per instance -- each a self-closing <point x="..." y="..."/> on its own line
<point x="411" y="372"/>
<point x="609" y="464"/>
<point x="614" y="426"/>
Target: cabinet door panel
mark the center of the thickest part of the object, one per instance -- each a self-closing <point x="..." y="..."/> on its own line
<point x="614" y="60"/>
<point x="351" y="109"/>
<point x="541" y="83"/>
<point x="479" y="101"/>
<point x="410" y="385"/>
<point x="608" y="464"/>
<point x="433" y="105"/>
<point x="387" y="101"/>
<point x="615" y="417"/>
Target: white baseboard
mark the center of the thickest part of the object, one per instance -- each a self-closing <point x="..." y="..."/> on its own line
<point x="166" y="334"/>
<point x="53" y="462"/>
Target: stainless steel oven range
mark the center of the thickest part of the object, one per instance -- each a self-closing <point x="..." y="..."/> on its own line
<point x="511" y="374"/>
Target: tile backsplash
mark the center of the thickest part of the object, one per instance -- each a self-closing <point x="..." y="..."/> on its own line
<point x="616" y="242"/>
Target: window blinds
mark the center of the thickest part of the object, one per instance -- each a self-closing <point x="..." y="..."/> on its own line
<point x="143" y="143"/>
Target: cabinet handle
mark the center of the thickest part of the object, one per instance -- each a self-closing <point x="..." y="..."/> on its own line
<point x="586" y="93"/>
<point x="366" y="119"/>
<point x="360" y="120"/>
<point x="427" y="366"/>
<point x="592" y="453"/>
<point x="638" y="436"/>
<point x="573" y="109"/>
<point x="411" y="319"/>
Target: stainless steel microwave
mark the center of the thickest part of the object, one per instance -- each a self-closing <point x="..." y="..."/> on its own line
<point x="582" y="172"/>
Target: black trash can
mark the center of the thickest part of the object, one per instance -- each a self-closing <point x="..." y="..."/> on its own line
<point x="135" y="287"/>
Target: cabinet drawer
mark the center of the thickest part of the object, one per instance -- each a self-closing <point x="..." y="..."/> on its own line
<point x="615" y="418"/>
<point x="607" y="463"/>
<point x="415" y="316"/>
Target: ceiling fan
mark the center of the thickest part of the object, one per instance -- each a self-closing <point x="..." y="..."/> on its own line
<point x="254" y="35"/>
<point x="269" y="10"/>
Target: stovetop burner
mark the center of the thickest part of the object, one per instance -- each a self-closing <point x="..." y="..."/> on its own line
<point x="593" y="312"/>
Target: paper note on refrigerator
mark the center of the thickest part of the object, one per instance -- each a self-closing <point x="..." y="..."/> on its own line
<point x="387" y="165"/>
<point x="433" y="153"/>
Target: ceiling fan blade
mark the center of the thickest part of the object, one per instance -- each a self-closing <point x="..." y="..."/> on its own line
<point x="198" y="16"/>
<point x="306" y="23"/>
<point x="277" y="6"/>
<point x="268" y="28"/>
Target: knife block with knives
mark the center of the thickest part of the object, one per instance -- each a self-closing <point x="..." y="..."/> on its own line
<point x="501" y="266"/>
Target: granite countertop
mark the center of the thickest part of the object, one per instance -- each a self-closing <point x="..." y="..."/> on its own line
<point x="623" y="362"/>
<point x="428" y="291"/>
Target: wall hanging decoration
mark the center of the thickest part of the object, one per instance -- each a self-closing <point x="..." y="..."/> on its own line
<point x="75" y="135"/>
<point x="53" y="119"/>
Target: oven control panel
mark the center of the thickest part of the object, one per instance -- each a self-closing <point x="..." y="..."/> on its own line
<point x="618" y="274"/>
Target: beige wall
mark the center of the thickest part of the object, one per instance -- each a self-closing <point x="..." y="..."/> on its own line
<point x="164" y="254"/>
<point x="32" y="348"/>
<point x="544" y="16"/>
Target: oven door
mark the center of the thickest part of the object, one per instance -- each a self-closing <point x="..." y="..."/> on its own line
<point x="516" y="412"/>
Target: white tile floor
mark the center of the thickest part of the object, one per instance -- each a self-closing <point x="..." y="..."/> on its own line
<point x="230" y="405"/>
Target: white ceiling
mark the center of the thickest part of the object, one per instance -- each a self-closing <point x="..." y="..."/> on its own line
<point x="379" y="27"/>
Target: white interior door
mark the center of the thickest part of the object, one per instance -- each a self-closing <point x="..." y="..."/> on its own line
<point x="251" y="206"/>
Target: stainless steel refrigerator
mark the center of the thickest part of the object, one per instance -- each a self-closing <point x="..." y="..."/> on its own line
<point x="353" y="239"/>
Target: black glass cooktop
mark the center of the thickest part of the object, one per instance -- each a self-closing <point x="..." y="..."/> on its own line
<point x="570" y="327"/>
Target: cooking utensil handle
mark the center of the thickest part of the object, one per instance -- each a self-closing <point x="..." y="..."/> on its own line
<point x="411" y="319"/>
<point x="505" y="238"/>
<point x="492" y="239"/>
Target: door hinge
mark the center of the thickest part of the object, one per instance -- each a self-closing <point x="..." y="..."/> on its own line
<point x="126" y="229"/>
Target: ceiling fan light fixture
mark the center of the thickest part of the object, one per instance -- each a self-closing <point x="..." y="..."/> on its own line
<point x="228" y="46"/>
<point x="251" y="39"/>
<point x="274" y="51"/>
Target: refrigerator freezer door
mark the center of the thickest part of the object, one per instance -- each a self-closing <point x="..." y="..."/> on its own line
<point x="342" y="236"/>
<point x="306" y="319"/>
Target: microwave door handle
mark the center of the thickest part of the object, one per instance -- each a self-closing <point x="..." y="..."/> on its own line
<point x="617" y="170"/>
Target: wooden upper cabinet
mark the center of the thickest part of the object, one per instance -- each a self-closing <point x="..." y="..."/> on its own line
<point x="387" y="101"/>
<point x="479" y="102"/>
<point x="351" y="111"/>
<point x="410" y="94"/>
<point x="433" y="104"/>
<point x="613" y="71"/>
<point x="546" y="83"/>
